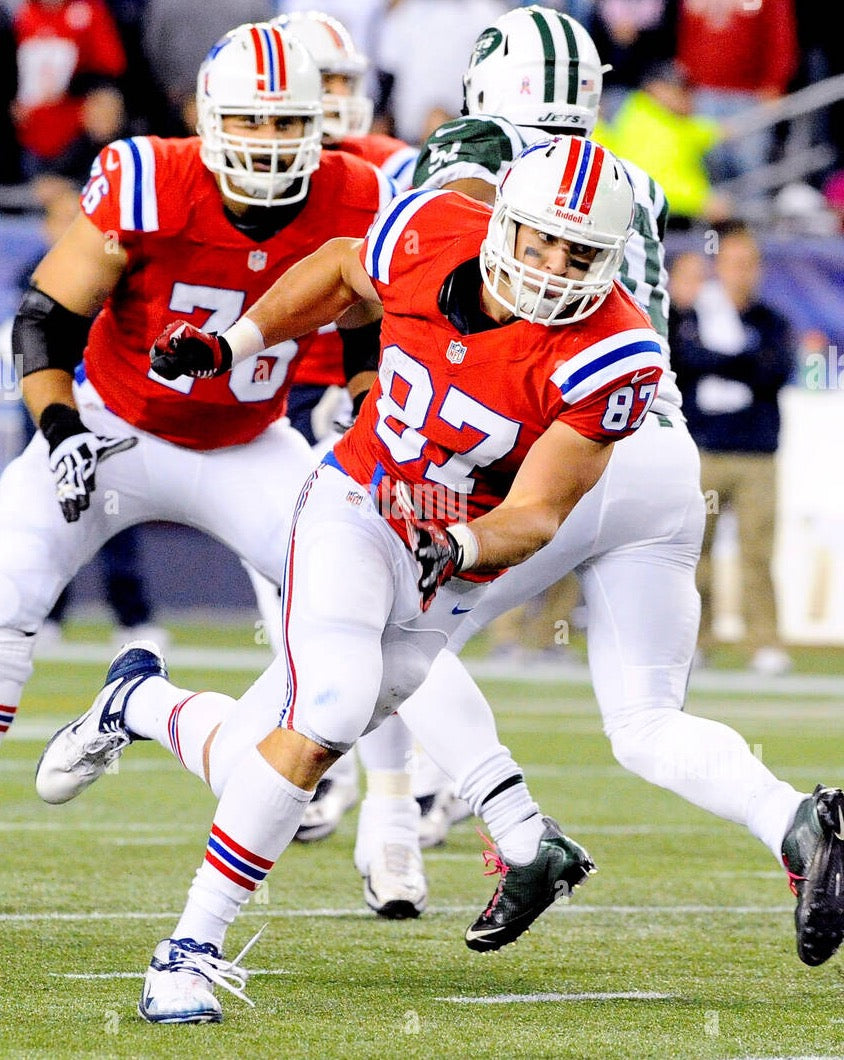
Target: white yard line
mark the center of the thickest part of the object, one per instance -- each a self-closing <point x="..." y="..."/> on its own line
<point x="140" y="975"/>
<point x="509" y="999"/>
<point x="446" y="910"/>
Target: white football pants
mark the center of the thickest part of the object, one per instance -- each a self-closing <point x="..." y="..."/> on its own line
<point x="355" y="642"/>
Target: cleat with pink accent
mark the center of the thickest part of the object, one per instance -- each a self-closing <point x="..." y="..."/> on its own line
<point x="525" y="891"/>
<point x="813" y="853"/>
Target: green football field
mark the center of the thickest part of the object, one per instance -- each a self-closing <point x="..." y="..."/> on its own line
<point x="682" y="945"/>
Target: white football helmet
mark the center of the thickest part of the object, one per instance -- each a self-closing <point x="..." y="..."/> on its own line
<point x="334" y="52"/>
<point x="571" y="188"/>
<point x="536" y="66"/>
<point x="257" y="71"/>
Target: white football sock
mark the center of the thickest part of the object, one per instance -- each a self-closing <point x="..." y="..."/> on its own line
<point x="385" y="819"/>
<point x="770" y="814"/>
<point x="453" y="722"/>
<point x="388" y="747"/>
<point x="496" y="792"/>
<point x="427" y="777"/>
<point x="257" y="816"/>
<point x="8" y="712"/>
<point x="389" y="813"/>
<point x="449" y="716"/>
<point x="180" y="720"/>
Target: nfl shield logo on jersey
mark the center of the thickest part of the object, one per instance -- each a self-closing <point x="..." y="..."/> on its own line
<point x="456" y="352"/>
<point x="257" y="260"/>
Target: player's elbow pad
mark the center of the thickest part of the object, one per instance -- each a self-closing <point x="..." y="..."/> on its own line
<point x="46" y="335"/>
<point x="361" y="348"/>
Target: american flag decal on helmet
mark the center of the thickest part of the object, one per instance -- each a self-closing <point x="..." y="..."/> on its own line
<point x="581" y="175"/>
<point x="270" y="61"/>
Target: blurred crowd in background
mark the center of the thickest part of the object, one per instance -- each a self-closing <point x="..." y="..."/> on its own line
<point x="78" y="73"/>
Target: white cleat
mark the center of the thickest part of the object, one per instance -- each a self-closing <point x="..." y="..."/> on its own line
<point x="82" y="751"/>
<point x="434" y="817"/>
<point x="176" y="989"/>
<point x="771" y="662"/>
<point x="179" y="984"/>
<point x="394" y="885"/>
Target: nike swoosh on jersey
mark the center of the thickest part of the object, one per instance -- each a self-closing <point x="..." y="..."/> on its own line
<point x="458" y="610"/>
<point x="639" y="376"/>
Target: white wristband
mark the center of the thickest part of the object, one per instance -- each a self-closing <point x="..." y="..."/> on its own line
<point x="245" y="339"/>
<point x="466" y="539"/>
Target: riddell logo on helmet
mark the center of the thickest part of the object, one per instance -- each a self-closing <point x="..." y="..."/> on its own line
<point x="565" y="215"/>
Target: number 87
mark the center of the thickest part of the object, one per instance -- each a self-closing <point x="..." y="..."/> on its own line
<point x="620" y="407"/>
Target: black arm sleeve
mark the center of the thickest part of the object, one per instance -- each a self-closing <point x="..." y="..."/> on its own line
<point x="361" y="348"/>
<point x="46" y="335"/>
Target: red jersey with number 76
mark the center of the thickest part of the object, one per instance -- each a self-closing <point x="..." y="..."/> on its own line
<point x="458" y="411"/>
<point x="187" y="260"/>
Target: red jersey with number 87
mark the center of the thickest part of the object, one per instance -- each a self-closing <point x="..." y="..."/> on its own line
<point x="188" y="261"/>
<point x="458" y="412"/>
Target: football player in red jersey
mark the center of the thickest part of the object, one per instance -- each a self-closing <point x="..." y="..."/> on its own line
<point x="511" y="362"/>
<point x="195" y="228"/>
<point x="347" y="109"/>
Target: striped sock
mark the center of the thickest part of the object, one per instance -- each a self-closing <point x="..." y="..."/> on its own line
<point x="189" y="724"/>
<point x="7" y="716"/>
<point x="180" y="720"/>
<point x="257" y="816"/>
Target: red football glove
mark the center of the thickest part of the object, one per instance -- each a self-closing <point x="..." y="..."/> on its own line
<point x="182" y="349"/>
<point x="439" y="556"/>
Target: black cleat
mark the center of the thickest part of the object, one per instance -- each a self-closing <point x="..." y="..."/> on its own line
<point x="525" y="891"/>
<point x="813" y="852"/>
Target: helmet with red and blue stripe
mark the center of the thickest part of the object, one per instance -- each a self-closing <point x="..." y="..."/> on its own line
<point x="342" y="66"/>
<point x="572" y="189"/>
<point x="256" y="76"/>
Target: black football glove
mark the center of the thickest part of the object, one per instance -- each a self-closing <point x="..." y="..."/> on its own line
<point x="75" y="453"/>
<point x="182" y="349"/>
<point x="439" y="556"/>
